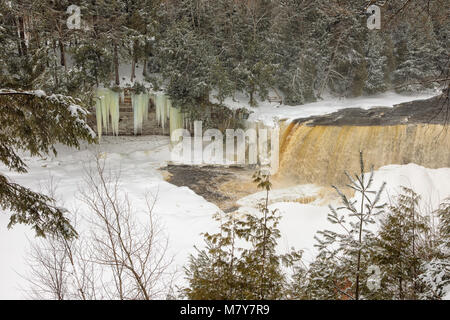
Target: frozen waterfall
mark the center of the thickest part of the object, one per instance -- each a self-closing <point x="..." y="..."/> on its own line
<point x="107" y="107"/>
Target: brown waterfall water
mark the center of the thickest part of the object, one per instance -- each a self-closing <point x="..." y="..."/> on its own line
<point x="320" y="154"/>
<point x="317" y="150"/>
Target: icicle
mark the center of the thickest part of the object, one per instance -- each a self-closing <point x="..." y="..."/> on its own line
<point x="140" y="109"/>
<point x="168" y="108"/>
<point x="103" y="94"/>
<point x="168" y="105"/>
<point x="157" y="108"/>
<point x="187" y="122"/>
<point x="161" y="110"/>
<point x="176" y="118"/>
<point x="114" y="111"/>
<point x="101" y="111"/>
<point x="98" y="115"/>
<point x="107" y="107"/>
<point x="164" y="115"/>
<point x="167" y="114"/>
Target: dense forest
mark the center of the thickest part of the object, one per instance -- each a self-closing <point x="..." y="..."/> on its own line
<point x="58" y="56"/>
<point x="198" y="49"/>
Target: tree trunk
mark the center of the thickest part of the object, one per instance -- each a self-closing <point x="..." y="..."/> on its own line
<point x="55" y="66"/>
<point x="134" y="61"/>
<point x="133" y="70"/>
<point x="144" y="69"/>
<point x="19" y="47"/>
<point x="116" y="65"/>
<point x="23" y="45"/>
<point x="262" y="286"/>
<point x="62" y="53"/>
<point x="358" y="266"/>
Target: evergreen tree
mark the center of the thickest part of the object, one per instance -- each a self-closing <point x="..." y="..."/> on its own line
<point x="213" y="274"/>
<point x="186" y="60"/>
<point x="295" y="52"/>
<point x="253" y="271"/>
<point x="37" y="122"/>
<point x="343" y="31"/>
<point x="390" y="63"/>
<point x="376" y="64"/>
<point x="418" y="57"/>
<point x="32" y="57"/>
<point x="401" y="248"/>
<point x="327" y="278"/>
<point x="262" y="274"/>
<point x="352" y="248"/>
<point x="436" y="275"/>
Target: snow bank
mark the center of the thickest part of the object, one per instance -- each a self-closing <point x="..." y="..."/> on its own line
<point x="292" y="194"/>
<point x="183" y="214"/>
<point x="300" y="221"/>
<point x="271" y="113"/>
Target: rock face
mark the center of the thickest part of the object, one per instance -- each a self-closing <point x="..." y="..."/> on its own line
<point x="319" y="149"/>
<point x="431" y="111"/>
<point x="220" y="185"/>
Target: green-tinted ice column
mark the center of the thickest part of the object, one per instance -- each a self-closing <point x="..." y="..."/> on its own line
<point x="107" y="107"/>
<point x="140" y="110"/>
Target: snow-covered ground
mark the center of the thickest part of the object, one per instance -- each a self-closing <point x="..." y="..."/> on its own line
<point x="301" y="221"/>
<point x="183" y="214"/>
<point x="270" y="113"/>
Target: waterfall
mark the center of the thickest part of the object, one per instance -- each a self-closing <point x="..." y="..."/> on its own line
<point x="140" y="110"/>
<point x="176" y="118"/>
<point x="107" y="111"/>
<point x="320" y="154"/>
<point x="166" y="112"/>
<point x="107" y="108"/>
<point x="162" y="109"/>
